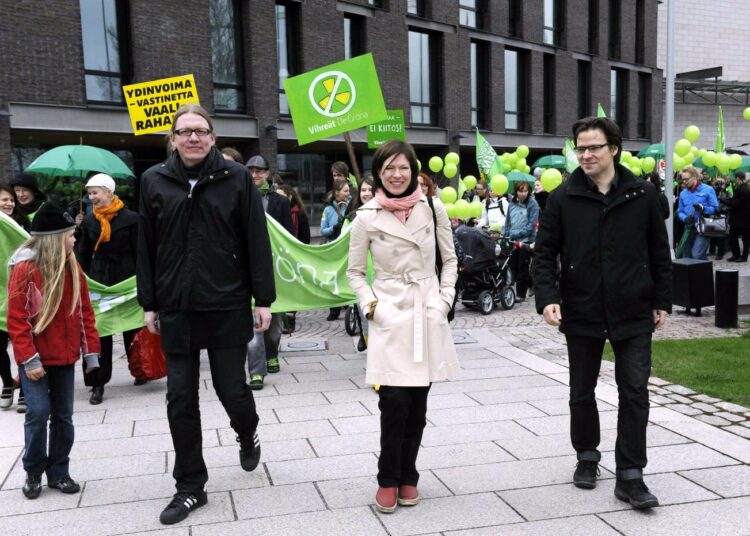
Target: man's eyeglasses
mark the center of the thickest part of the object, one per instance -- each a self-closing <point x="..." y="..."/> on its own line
<point x="591" y="148"/>
<point x="187" y="132"/>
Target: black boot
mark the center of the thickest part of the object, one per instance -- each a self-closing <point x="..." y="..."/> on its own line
<point x="33" y="486"/>
<point x="585" y="474"/>
<point x="636" y="493"/>
<point x="97" y="395"/>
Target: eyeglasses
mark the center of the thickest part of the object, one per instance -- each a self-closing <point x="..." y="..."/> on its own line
<point x="187" y="132"/>
<point x="591" y="148"/>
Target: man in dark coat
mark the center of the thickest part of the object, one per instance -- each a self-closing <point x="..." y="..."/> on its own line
<point x="739" y="219"/>
<point x="203" y="255"/>
<point x="605" y="227"/>
<point x="263" y="352"/>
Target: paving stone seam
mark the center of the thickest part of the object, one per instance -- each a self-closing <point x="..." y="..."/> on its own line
<point x="519" y="514"/>
<point x="234" y="510"/>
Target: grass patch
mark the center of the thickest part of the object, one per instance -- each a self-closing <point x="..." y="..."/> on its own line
<point x="718" y="367"/>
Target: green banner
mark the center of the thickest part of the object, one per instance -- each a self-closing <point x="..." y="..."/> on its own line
<point x="307" y="277"/>
<point x="720" y="143"/>
<point x="334" y="99"/>
<point x="488" y="162"/>
<point x="390" y="129"/>
<point x="571" y="159"/>
<point x="600" y="110"/>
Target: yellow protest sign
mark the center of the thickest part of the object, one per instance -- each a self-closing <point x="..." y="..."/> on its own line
<point x="152" y="105"/>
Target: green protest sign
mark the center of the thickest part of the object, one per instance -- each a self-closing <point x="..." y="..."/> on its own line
<point x="334" y="99"/>
<point x="390" y="129"/>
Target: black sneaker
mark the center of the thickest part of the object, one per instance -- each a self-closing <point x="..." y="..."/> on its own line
<point x="636" y="493"/>
<point x="586" y="473"/>
<point x="249" y="451"/>
<point x="33" y="486"/>
<point x="65" y="484"/>
<point x="97" y="395"/>
<point x="180" y="507"/>
<point x="361" y="344"/>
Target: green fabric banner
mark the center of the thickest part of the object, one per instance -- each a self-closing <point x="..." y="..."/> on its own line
<point x="600" y="110"/>
<point x="720" y="142"/>
<point x="307" y="277"/>
<point x="571" y="159"/>
<point x="488" y="162"/>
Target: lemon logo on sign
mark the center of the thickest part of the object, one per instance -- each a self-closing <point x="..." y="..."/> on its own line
<point x="332" y="93"/>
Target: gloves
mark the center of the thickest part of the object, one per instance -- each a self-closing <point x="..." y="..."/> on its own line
<point x="698" y="207"/>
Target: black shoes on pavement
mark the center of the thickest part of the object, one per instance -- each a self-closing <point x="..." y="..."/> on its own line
<point x="33" y="486"/>
<point x="585" y="474"/>
<point x="249" y="451"/>
<point x="181" y="505"/>
<point x="636" y="493"/>
<point x="65" y="484"/>
<point x="97" y="395"/>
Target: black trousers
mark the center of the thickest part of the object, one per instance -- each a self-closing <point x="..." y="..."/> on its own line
<point x="228" y="376"/>
<point x="402" y="421"/>
<point x="632" y="370"/>
<point x="735" y="233"/>
<point x="519" y="266"/>
<point x="5" y="374"/>
<point x="101" y="376"/>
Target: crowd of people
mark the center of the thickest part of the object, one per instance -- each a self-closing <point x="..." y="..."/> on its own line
<point x="601" y="270"/>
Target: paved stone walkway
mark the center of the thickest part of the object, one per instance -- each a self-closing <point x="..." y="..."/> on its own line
<point x="496" y="457"/>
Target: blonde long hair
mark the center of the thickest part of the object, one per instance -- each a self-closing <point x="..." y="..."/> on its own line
<point x="52" y="260"/>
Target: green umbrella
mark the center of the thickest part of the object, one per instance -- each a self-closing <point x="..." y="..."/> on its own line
<point x="745" y="167"/>
<point x="550" y="161"/>
<point x="517" y="176"/>
<point x="79" y="161"/>
<point x="655" y="151"/>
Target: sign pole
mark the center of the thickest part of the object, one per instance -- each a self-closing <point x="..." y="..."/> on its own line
<point x="352" y="158"/>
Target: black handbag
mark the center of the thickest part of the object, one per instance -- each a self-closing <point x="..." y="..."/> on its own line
<point x="439" y="260"/>
<point x="715" y="225"/>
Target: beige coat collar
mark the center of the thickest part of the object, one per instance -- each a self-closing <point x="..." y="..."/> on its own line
<point x="385" y="221"/>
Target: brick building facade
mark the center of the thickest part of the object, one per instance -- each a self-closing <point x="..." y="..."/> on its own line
<point x="44" y="99"/>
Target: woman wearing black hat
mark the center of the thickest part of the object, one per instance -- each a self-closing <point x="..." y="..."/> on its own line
<point x="30" y="197"/>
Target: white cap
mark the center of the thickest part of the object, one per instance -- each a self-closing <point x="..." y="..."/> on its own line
<point x="102" y="180"/>
<point x="538" y="172"/>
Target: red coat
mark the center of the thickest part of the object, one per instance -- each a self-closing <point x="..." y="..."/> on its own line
<point x="66" y="337"/>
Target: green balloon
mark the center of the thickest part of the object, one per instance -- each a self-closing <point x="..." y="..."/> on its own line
<point x="419" y="165"/>
<point x="436" y="164"/>
<point x="499" y="184"/>
<point x="551" y="178"/>
<point x="625" y="157"/>
<point x="450" y="170"/>
<point x="476" y="209"/>
<point x="722" y="161"/>
<point x="692" y="133"/>
<point x="735" y="161"/>
<point x="470" y="181"/>
<point x="636" y="169"/>
<point x="709" y="159"/>
<point x="448" y="195"/>
<point x="520" y="164"/>
<point x="452" y="158"/>
<point x="512" y="159"/>
<point x="450" y="208"/>
<point x="463" y="210"/>
<point x="678" y="162"/>
<point x="648" y="164"/>
<point x="682" y="147"/>
<point x="522" y="151"/>
<point x="746" y="113"/>
<point x="506" y="168"/>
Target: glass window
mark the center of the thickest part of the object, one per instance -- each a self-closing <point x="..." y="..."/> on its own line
<point x="101" y="51"/>
<point x="415" y="7"/>
<point x="640" y="31"/>
<point x="286" y="50"/>
<point x="354" y="36"/>
<point x="515" y="19"/>
<point x="422" y="79"/>
<point x="470" y="13"/>
<point x="594" y="26"/>
<point x="549" y="93"/>
<point x="618" y="89"/>
<point x="226" y="56"/>
<point x="515" y="90"/>
<point x="584" y="89"/>
<point x="478" y="84"/>
<point x="614" y="28"/>
<point x="553" y="22"/>
<point x="375" y="3"/>
<point x="644" y="105"/>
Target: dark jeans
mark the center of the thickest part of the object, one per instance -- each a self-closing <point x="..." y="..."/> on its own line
<point x="183" y="412"/>
<point x="632" y="370"/>
<point x="735" y="233"/>
<point x="101" y="376"/>
<point x="519" y="266"/>
<point x="718" y="245"/>
<point x="5" y="374"/>
<point x="49" y="398"/>
<point x="402" y="420"/>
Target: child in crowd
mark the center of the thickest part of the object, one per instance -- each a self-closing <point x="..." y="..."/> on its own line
<point x="51" y="323"/>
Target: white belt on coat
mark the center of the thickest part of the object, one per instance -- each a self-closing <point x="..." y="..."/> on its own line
<point x="414" y="277"/>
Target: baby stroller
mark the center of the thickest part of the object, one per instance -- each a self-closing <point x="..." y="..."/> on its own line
<point x="484" y="279"/>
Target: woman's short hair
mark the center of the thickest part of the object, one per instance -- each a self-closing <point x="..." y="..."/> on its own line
<point x="428" y="182"/>
<point x="391" y="149"/>
<point x="232" y="153"/>
<point x="521" y="184"/>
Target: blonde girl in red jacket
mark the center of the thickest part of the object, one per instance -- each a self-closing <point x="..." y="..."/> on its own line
<point x="51" y="323"/>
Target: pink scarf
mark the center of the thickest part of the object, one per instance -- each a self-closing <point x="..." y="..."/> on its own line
<point x="401" y="207"/>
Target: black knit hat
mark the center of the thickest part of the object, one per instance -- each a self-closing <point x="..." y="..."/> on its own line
<point x="27" y="180"/>
<point x="51" y="219"/>
<point x="257" y="161"/>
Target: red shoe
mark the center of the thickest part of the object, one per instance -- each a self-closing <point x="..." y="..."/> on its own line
<point x="386" y="499"/>
<point x="408" y="495"/>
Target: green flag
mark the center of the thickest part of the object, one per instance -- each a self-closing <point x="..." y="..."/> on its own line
<point x="307" y="277"/>
<point x="720" y="143"/>
<point x="488" y="162"/>
<point x="600" y="111"/>
<point x="571" y="159"/>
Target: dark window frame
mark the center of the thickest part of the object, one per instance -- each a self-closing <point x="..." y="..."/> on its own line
<point x="434" y="62"/>
<point x="621" y="98"/>
<point x="640" y="31"/>
<point x="522" y="91"/>
<point x="515" y="18"/>
<point x="419" y="8"/>
<point x="593" y="38"/>
<point x="357" y="35"/>
<point x="615" y="29"/>
<point x="558" y="21"/>
<point x="480" y="14"/>
<point x="549" y="93"/>
<point x="239" y="65"/>
<point x="584" y="88"/>
<point x="480" y="112"/>
<point x="644" y="106"/>
<point x="292" y="53"/>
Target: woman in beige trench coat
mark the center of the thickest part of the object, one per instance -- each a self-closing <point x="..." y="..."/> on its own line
<point x="410" y="343"/>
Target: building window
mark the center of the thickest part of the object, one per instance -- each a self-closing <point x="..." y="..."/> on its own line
<point x="354" y="36"/>
<point x="471" y="13"/>
<point x="553" y="22"/>
<point x="423" y="84"/>
<point x="549" y="93"/>
<point x="594" y="26"/>
<point x="618" y="90"/>
<point x="415" y="7"/>
<point x="615" y="21"/>
<point x="479" y="84"/>
<point x="375" y="3"/>
<point x="286" y="23"/>
<point x="640" y="31"/>
<point x="515" y="18"/>
<point x="584" y="89"/>
<point x="104" y="33"/>
<point x="644" y="105"/>
<point x="516" y="90"/>
<point x="226" y="55"/>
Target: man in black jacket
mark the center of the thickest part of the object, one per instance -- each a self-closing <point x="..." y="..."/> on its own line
<point x="203" y="255"/>
<point x="263" y="352"/>
<point x="606" y="228"/>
